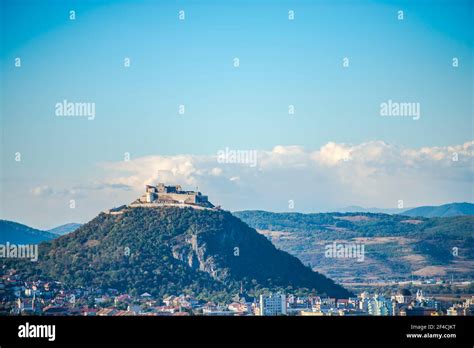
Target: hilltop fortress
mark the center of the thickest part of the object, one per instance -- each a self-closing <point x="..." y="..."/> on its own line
<point x="171" y="195"/>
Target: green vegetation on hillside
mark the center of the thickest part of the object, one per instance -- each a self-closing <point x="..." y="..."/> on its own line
<point x="395" y="245"/>
<point x="170" y="251"/>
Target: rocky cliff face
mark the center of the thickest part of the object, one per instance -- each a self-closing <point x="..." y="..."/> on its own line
<point x="193" y="252"/>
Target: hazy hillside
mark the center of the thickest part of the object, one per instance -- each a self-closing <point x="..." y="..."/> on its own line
<point x="16" y="233"/>
<point x="446" y="210"/>
<point x="65" y="229"/>
<point x="395" y="246"/>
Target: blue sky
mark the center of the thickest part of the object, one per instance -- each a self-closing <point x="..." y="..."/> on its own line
<point x="190" y="62"/>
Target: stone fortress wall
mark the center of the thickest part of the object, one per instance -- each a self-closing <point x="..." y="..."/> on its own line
<point x="162" y="194"/>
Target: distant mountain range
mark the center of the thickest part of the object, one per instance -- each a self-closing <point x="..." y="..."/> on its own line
<point x="171" y="250"/>
<point x="16" y="233"/>
<point x="65" y="229"/>
<point x="446" y="210"/>
<point x="359" y="209"/>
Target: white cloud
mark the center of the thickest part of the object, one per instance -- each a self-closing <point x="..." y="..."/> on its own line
<point x="336" y="175"/>
<point x="332" y="153"/>
<point x="76" y="191"/>
<point x="42" y="191"/>
<point x="216" y="171"/>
